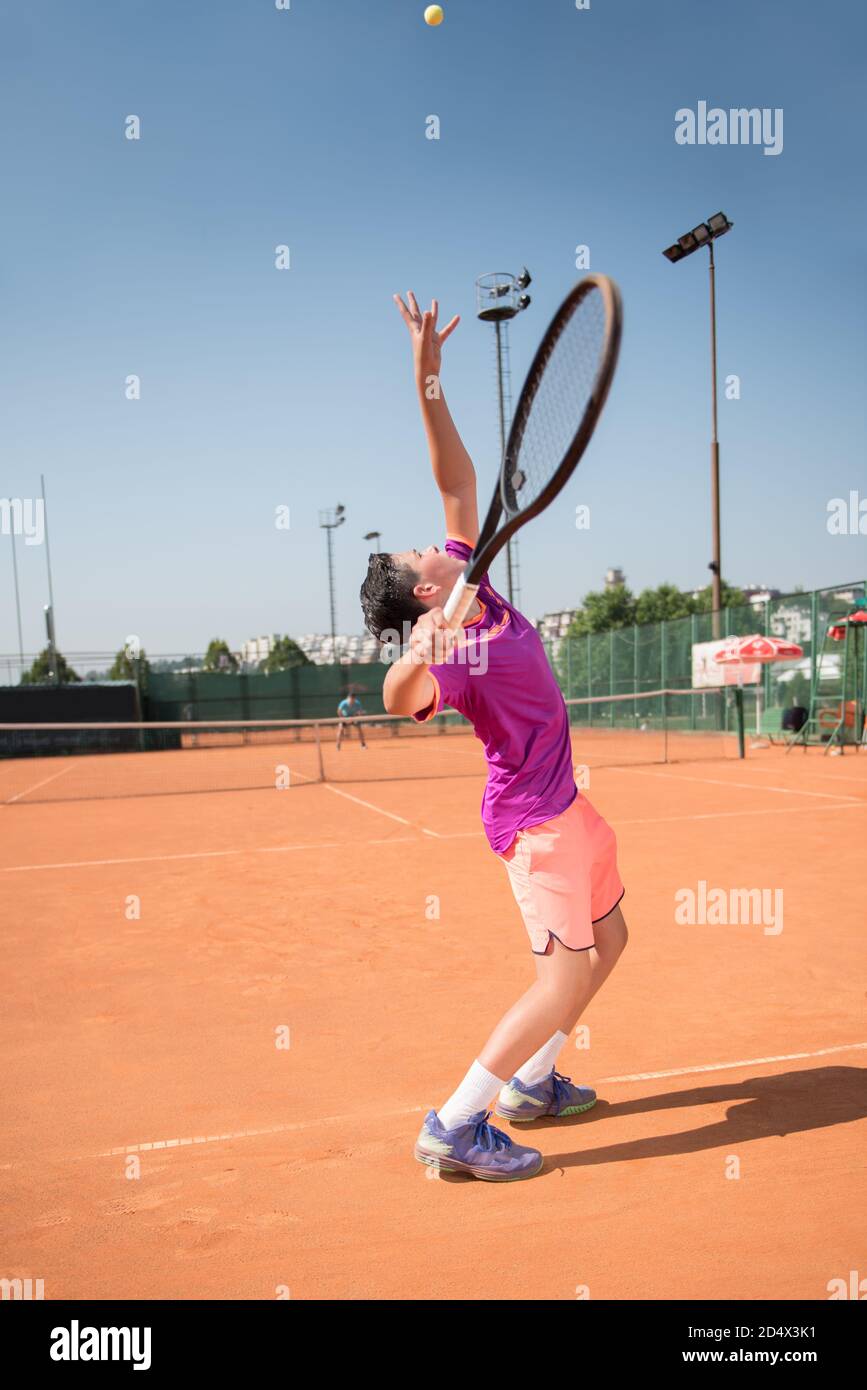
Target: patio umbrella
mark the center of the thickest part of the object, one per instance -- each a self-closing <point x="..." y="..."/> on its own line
<point x="837" y="630"/>
<point x="757" y="650"/>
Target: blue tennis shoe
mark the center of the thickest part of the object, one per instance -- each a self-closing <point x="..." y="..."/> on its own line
<point x="475" y="1147"/>
<point x="554" y="1095"/>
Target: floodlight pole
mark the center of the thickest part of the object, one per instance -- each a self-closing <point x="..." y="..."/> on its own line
<point x="52" y="641"/>
<point x="329" y="520"/>
<point x="17" y="601"/>
<point x="499" y="297"/>
<point x="501" y="397"/>
<point x="685" y="245"/>
<point x="716" y="566"/>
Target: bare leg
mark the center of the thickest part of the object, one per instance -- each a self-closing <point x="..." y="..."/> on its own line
<point x="565" y="983"/>
<point x="611" y="938"/>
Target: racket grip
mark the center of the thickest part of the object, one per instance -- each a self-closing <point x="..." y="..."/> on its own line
<point x="459" y="603"/>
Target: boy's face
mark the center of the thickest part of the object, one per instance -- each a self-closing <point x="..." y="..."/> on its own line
<point x="437" y="573"/>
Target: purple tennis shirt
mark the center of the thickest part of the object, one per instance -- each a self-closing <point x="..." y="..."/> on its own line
<point x="499" y="678"/>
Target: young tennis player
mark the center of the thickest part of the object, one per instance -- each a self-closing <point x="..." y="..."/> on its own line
<point x="560" y="855"/>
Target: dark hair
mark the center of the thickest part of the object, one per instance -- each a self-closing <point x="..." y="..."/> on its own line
<point x="387" y="598"/>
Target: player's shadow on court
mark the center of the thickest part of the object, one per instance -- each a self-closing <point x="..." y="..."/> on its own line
<point x="795" y="1101"/>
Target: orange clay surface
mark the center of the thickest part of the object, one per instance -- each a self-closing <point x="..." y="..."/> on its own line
<point x="158" y="1143"/>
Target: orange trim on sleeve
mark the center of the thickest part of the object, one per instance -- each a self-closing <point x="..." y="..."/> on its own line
<point x="462" y="540"/>
<point x="471" y="622"/>
<point x="435" y="703"/>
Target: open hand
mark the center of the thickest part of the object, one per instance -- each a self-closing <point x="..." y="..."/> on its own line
<point x="427" y="339"/>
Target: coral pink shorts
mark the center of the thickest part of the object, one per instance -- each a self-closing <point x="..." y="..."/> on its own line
<point x="564" y="876"/>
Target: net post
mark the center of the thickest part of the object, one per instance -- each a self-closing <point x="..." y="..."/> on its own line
<point x="319" y="752"/>
<point x="739" y="718"/>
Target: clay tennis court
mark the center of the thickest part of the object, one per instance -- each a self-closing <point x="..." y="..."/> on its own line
<point x="158" y="947"/>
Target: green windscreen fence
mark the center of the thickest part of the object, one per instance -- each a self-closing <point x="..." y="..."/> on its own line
<point x="304" y="692"/>
<point x="631" y="660"/>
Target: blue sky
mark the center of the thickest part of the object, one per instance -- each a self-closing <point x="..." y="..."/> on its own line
<point x="263" y="388"/>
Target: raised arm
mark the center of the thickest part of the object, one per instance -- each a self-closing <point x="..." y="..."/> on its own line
<point x="452" y="466"/>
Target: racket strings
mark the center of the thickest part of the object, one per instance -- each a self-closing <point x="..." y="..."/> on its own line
<point x="564" y="388"/>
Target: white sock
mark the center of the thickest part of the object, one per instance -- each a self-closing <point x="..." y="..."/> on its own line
<point x="541" y="1062"/>
<point x="475" y="1093"/>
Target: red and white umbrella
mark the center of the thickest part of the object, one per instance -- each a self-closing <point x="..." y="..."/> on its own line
<point x="837" y="631"/>
<point x="744" y="652"/>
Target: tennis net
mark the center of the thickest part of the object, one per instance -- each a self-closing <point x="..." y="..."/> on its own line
<point x="71" y="762"/>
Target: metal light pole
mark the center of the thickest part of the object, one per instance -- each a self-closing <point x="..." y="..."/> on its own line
<point x="704" y="235"/>
<point x="502" y="333"/>
<point x="498" y="300"/>
<point x="716" y="574"/>
<point x="329" y="520"/>
<point x="17" y="603"/>
<point x="49" y="612"/>
<point x="374" y="536"/>
<point x="52" y="641"/>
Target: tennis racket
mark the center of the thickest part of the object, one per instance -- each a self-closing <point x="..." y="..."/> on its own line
<point x="560" y="403"/>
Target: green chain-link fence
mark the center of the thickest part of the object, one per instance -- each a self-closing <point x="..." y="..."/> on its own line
<point x="657" y="656"/>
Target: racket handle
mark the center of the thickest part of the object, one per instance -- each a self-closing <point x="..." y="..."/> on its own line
<point x="459" y="603"/>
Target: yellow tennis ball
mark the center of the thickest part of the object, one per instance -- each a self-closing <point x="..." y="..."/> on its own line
<point x="434" y="14"/>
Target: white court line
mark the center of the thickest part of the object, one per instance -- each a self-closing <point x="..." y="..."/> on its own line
<point x="410" y="839"/>
<point x="209" y="854"/>
<point x="138" y="859"/>
<point x="203" y="854"/>
<point x="240" y="1134"/>
<point x="370" y="806"/>
<point x="822" y="772"/>
<point x="719" y="782"/>
<point x="730" y="1066"/>
<point x="851" y="805"/>
<point x="150" y="1145"/>
<point x="36" y="785"/>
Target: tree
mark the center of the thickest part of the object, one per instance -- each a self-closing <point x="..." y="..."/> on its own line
<point x="663" y="603"/>
<point x="218" y="657"/>
<point x="603" y="610"/>
<point x="130" y="668"/>
<point x="40" y="672"/>
<point x="284" y="654"/>
<point x="730" y="598"/>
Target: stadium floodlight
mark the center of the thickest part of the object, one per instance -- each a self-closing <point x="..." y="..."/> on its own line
<point x="374" y="536"/>
<point x="719" y="224"/>
<point x="701" y="235"/>
<point x="524" y="278"/>
<point x="705" y="234"/>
